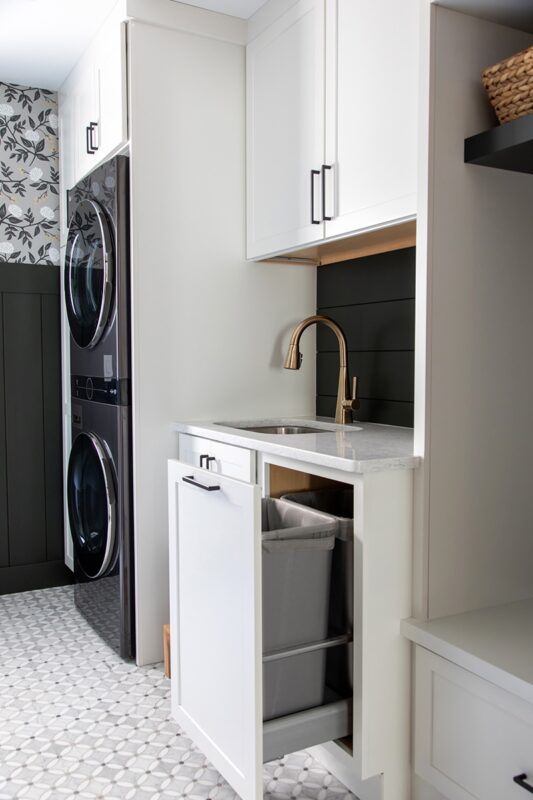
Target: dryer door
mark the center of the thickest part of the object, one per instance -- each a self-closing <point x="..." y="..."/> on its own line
<point x="89" y="273"/>
<point x="92" y="505"/>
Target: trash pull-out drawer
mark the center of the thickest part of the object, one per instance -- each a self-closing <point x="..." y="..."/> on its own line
<point x="222" y="459"/>
<point x="216" y="622"/>
<point x="473" y="740"/>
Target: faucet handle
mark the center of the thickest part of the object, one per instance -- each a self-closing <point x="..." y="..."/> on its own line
<point x="353" y="402"/>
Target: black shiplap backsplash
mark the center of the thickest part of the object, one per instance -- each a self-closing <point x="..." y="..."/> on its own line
<point x="373" y="300"/>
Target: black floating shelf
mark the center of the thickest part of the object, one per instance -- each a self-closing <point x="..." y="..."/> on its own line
<point x="509" y="146"/>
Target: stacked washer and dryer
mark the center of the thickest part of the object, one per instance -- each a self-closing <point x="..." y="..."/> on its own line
<point x="99" y="477"/>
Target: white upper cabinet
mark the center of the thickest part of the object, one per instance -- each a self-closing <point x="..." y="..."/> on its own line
<point x="332" y="122"/>
<point x="371" y="113"/>
<point x="112" y="130"/>
<point x="92" y="104"/>
<point x="285" y="119"/>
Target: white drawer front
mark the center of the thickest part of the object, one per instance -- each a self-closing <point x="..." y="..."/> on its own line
<point x="224" y="459"/>
<point x="471" y="737"/>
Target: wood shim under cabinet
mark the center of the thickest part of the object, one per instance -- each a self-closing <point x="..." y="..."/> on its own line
<point x="384" y="240"/>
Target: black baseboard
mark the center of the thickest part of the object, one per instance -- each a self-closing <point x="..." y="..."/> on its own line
<point x="34" y="576"/>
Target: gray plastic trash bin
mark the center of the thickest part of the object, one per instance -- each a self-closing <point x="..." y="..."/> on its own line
<point x="339" y="504"/>
<point x="297" y="548"/>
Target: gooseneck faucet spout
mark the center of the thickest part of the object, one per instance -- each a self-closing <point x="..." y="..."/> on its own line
<point x="345" y="403"/>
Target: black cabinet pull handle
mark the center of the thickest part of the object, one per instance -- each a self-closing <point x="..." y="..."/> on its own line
<point x="88" y="140"/>
<point x="521" y="780"/>
<point x="324" y="168"/>
<point x="208" y="459"/>
<point x="92" y="126"/>
<point x="202" y="460"/>
<point x="313" y="220"/>
<point x="191" y="479"/>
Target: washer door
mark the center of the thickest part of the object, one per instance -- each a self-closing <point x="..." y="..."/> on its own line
<point x="92" y="505"/>
<point x="89" y="273"/>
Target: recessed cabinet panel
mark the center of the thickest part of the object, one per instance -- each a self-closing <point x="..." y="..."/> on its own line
<point x="215" y="551"/>
<point x="285" y="79"/>
<point x="371" y="119"/>
<point x="471" y="737"/>
<point x="111" y="72"/>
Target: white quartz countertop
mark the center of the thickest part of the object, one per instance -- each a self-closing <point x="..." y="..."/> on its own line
<point x="361" y="447"/>
<point x="494" y="643"/>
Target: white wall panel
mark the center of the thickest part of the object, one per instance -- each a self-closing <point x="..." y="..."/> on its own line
<point x="209" y="330"/>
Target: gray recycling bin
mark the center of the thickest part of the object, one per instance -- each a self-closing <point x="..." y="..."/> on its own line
<point x="337" y="503"/>
<point x="297" y="544"/>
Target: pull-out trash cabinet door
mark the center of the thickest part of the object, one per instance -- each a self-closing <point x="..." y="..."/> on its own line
<point x="215" y="579"/>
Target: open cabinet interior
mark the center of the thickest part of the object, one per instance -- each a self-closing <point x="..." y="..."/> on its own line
<point x="330" y="664"/>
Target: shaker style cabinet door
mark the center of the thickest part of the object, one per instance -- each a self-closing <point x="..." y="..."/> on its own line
<point x="111" y="76"/>
<point x="371" y="113"/>
<point x="215" y="600"/>
<point x="285" y="131"/>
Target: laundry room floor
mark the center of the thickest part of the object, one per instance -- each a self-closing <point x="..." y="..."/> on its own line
<point x="77" y="721"/>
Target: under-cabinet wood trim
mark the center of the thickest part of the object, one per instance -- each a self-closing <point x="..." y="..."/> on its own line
<point x="384" y="240"/>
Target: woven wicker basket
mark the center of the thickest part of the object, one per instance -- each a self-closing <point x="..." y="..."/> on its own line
<point x="509" y="85"/>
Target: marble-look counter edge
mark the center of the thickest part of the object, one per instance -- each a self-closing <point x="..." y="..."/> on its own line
<point x="373" y="458"/>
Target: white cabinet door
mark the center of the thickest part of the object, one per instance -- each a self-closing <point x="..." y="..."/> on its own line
<point x="371" y="113"/>
<point x="472" y="738"/>
<point x="285" y="130"/>
<point x="85" y="90"/>
<point x="93" y="104"/>
<point x="111" y="79"/>
<point x="215" y="580"/>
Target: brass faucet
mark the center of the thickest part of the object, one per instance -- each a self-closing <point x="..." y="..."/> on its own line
<point x="345" y="404"/>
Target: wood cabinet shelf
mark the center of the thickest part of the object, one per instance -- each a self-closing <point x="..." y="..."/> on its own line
<point x="508" y="146"/>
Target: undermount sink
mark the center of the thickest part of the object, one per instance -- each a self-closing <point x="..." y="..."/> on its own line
<point x="282" y="429"/>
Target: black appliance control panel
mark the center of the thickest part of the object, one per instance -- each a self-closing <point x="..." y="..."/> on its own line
<point x="110" y="391"/>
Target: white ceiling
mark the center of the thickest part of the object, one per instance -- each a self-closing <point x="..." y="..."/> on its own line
<point x="41" y="40"/>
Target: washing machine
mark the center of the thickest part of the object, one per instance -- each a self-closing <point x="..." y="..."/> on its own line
<point x="96" y="275"/>
<point x="99" y="474"/>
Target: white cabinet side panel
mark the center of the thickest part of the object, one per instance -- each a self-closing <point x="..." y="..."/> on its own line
<point x="209" y="330"/>
<point x="481" y="283"/>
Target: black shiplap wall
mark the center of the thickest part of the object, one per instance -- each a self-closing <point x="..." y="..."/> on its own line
<point x="31" y="519"/>
<point x="373" y="300"/>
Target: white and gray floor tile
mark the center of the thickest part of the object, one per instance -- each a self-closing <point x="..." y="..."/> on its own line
<point x="78" y="722"/>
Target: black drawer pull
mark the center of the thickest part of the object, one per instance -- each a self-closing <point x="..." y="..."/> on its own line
<point x="313" y="220"/>
<point x="521" y="780"/>
<point x="208" y="460"/>
<point x="190" y="479"/>
<point x="202" y="460"/>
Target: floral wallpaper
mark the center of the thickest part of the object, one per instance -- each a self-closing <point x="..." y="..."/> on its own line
<point x="29" y="176"/>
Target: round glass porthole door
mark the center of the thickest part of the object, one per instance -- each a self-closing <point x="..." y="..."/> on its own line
<point x="89" y="271"/>
<point x="91" y="505"/>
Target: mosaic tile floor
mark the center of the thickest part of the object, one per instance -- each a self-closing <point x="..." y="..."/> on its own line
<point x="78" y="722"/>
